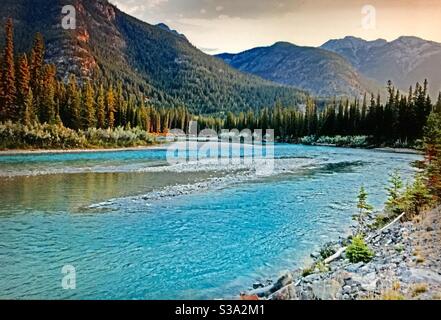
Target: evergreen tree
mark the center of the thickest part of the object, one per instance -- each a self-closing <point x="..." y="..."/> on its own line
<point x="47" y="111"/>
<point x="36" y="67"/>
<point x="89" y="107"/>
<point x="110" y="104"/>
<point x="29" y="116"/>
<point x="23" y="83"/>
<point x="101" y="108"/>
<point x="393" y="203"/>
<point x="363" y="206"/>
<point x="10" y="110"/>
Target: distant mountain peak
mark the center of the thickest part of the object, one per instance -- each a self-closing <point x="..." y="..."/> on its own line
<point x="165" y="27"/>
<point x="405" y="60"/>
<point x="321" y="72"/>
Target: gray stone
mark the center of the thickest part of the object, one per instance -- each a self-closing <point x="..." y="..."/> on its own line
<point x="258" y="285"/>
<point x="346" y="289"/>
<point x="326" y="290"/>
<point x="354" y="267"/>
<point x="368" y="282"/>
<point x="311" y="278"/>
<point x="423" y="276"/>
<point x="261" y="292"/>
<point x="284" y="280"/>
<point x="286" y="293"/>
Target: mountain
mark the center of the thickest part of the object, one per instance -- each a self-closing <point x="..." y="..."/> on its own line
<point x="319" y="71"/>
<point x="110" y="45"/>
<point x="165" y="27"/>
<point x="405" y="60"/>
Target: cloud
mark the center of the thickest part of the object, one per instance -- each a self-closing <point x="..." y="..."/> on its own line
<point x="236" y="25"/>
<point x="210" y="9"/>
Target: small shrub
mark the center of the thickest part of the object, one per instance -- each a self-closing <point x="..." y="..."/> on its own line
<point x="358" y="251"/>
<point x="56" y="136"/>
<point x="308" y="271"/>
<point x="392" y="295"/>
<point x="321" y="267"/>
<point x="399" y="248"/>
<point x="420" y="259"/>
<point x="308" y="140"/>
<point x="418" y="289"/>
<point x="327" y="251"/>
<point x="436" y="296"/>
<point x="381" y="220"/>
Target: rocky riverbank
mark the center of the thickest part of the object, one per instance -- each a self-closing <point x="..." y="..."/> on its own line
<point x="406" y="265"/>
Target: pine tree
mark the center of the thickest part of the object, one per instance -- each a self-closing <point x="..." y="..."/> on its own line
<point x="89" y="107"/>
<point x="36" y="66"/>
<point x="438" y="104"/>
<point x="394" y="190"/>
<point x="29" y="117"/>
<point x="47" y="112"/>
<point x="364" y="208"/>
<point x="110" y="104"/>
<point x="9" y="88"/>
<point x="23" y="83"/>
<point x="432" y="142"/>
<point x="101" y="108"/>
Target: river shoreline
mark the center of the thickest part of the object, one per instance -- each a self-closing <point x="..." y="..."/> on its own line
<point x="159" y="146"/>
<point x="81" y="150"/>
<point x="406" y="266"/>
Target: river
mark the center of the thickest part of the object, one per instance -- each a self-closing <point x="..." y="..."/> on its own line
<point x="135" y="227"/>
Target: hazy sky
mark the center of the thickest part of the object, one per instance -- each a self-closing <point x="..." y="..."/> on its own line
<point x="235" y="25"/>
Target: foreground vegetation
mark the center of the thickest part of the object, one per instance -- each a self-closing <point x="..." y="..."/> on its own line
<point x="54" y="136"/>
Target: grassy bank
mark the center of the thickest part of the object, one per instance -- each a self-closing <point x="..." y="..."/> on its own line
<point x="51" y="136"/>
<point x="359" y="142"/>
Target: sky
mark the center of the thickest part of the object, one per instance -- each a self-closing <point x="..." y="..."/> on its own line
<point x="216" y="26"/>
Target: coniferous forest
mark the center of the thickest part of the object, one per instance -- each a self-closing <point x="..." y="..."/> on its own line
<point x="33" y="96"/>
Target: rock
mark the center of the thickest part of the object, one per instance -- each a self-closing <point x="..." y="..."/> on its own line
<point x="346" y="289"/>
<point x="368" y="282"/>
<point x="311" y="278"/>
<point x="261" y="292"/>
<point x="354" y="267"/>
<point x="283" y="281"/>
<point x="286" y="293"/>
<point x="258" y="285"/>
<point x="326" y="290"/>
<point x="422" y="276"/>
<point x="315" y="255"/>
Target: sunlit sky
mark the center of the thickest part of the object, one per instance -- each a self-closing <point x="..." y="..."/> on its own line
<point x="217" y="26"/>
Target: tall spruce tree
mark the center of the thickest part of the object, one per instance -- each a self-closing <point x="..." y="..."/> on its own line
<point x="101" y="108"/>
<point x="89" y="119"/>
<point x="23" y="83"/>
<point x="9" y="89"/>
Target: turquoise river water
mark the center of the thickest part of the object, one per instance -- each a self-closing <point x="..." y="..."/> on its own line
<point x="134" y="227"/>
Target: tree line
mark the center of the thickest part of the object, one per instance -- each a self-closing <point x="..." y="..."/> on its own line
<point x="402" y="117"/>
<point x="30" y="92"/>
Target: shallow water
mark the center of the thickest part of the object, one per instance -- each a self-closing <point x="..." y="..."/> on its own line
<point x="136" y="228"/>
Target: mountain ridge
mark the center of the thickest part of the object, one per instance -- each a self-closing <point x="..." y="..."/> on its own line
<point x="405" y="60"/>
<point x="319" y="71"/>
